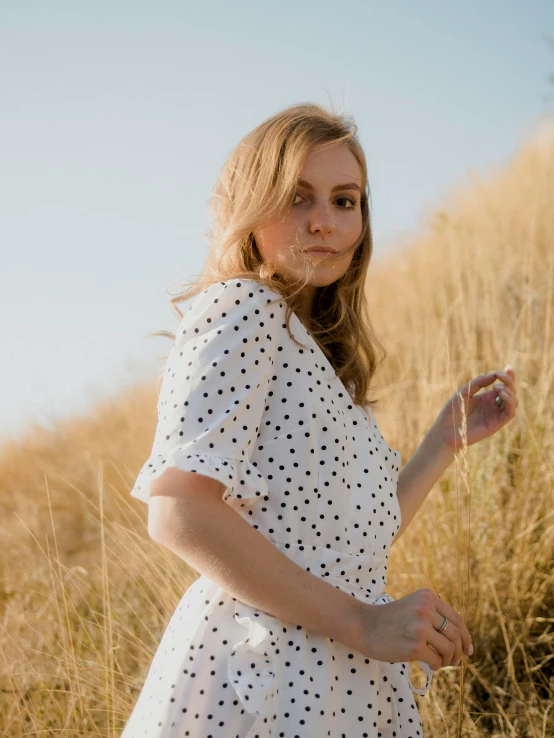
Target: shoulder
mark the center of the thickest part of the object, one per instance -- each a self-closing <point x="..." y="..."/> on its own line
<point x="231" y="298"/>
<point x="243" y="290"/>
<point x="243" y="307"/>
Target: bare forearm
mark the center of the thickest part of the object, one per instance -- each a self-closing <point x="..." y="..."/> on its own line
<point x="417" y="478"/>
<point x="217" y="542"/>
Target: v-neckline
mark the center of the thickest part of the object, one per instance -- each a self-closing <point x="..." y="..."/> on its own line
<point x="330" y="366"/>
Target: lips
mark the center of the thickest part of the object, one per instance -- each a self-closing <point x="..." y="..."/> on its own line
<point x="325" y="249"/>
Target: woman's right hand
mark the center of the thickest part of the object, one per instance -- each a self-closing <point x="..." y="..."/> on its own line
<point x="405" y="630"/>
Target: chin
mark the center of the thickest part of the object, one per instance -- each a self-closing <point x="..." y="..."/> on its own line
<point x="325" y="275"/>
<point x="322" y="280"/>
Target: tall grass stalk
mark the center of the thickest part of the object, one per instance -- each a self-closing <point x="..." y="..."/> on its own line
<point x="85" y="595"/>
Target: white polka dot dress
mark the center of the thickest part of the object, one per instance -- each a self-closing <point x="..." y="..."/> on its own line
<point x="241" y="402"/>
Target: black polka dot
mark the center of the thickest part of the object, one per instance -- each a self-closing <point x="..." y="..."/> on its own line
<point x="240" y="402"/>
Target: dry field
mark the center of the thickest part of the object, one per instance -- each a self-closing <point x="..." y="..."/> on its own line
<point x="85" y="595"/>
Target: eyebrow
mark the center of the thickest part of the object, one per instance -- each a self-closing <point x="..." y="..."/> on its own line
<point x="347" y="186"/>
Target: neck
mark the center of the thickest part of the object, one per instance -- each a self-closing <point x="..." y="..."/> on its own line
<point x="305" y="309"/>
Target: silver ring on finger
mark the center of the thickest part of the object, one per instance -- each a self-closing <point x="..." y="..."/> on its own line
<point x="444" y="624"/>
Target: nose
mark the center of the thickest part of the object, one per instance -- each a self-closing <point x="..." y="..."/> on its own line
<point x="321" y="219"/>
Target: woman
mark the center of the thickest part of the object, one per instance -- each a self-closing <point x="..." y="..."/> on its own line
<point x="270" y="477"/>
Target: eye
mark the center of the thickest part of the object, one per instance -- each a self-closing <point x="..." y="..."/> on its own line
<point x="344" y="198"/>
<point x="351" y="200"/>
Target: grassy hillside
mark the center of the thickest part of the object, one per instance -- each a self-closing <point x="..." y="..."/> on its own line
<point x="85" y="595"/>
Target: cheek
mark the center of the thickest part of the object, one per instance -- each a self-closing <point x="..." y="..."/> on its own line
<point x="272" y="238"/>
<point x="353" y="228"/>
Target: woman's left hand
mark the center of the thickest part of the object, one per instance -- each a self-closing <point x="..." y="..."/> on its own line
<point x="483" y="416"/>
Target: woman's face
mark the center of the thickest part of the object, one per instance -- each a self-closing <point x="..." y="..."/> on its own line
<point x="326" y="212"/>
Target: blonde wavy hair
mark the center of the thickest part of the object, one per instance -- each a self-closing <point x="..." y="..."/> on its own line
<point x="257" y="184"/>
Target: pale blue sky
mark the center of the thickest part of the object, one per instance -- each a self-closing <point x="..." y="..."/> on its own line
<point x="115" y="118"/>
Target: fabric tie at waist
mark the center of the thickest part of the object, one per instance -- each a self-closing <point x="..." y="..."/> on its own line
<point x="252" y="666"/>
<point x="360" y="575"/>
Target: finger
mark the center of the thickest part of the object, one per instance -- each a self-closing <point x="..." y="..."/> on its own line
<point x="444" y="609"/>
<point x="452" y="633"/>
<point x="442" y="645"/>
<point x="431" y="657"/>
<point x="504" y="392"/>
<point x="499" y="388"/>
<point x="477" y="383"/>
<point x="509" y="402"/>
<point x="508" y="379"/>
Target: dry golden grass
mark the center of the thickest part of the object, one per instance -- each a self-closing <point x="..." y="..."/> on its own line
<point x="85" y="595"/>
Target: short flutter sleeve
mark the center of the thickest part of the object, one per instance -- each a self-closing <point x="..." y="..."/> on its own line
<point x="213" y="392"/>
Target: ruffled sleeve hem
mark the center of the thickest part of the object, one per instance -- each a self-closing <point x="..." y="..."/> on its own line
<point x="243" y="482"/>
